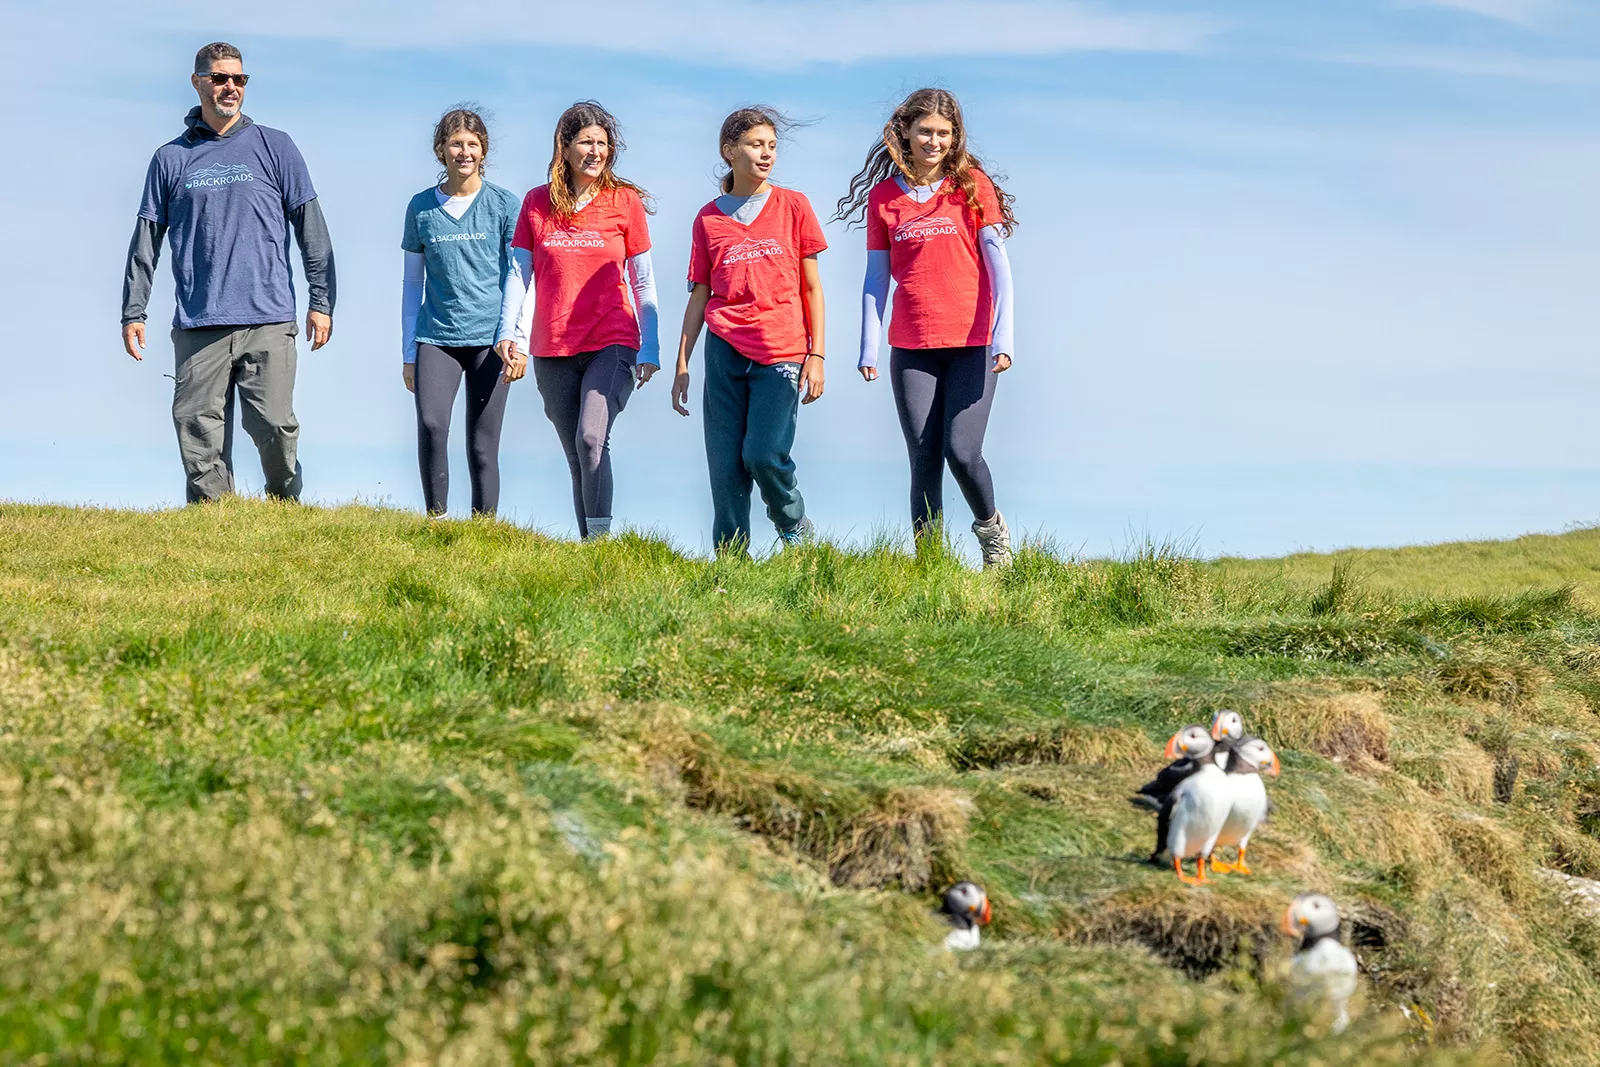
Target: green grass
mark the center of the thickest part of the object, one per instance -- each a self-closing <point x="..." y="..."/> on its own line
<point x="284" y="785"/>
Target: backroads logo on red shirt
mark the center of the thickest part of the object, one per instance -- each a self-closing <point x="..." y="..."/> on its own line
<point x="752" y="248"/>
<point x="559" y="239"/>
<point x="924" y="228"/>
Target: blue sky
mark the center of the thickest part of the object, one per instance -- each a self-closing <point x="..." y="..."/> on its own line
<point x="1288" y="276"/>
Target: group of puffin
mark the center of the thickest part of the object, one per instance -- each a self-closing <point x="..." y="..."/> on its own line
<point x="1211" y="796"/>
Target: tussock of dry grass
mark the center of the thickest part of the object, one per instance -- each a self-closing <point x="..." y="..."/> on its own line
<point x="865" y="836"/>
<point x="1197" y="932"/>
<point x="1350" y="727"/>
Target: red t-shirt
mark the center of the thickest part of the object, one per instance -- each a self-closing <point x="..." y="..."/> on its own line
<point x="579" y="284"/>
<point x="754" y="272"/>
<point x="943" y="299"/>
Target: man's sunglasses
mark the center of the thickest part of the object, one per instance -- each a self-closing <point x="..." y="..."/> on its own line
<point x="241" y="80"/>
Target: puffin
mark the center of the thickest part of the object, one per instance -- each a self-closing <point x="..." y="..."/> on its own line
<point x="966" y="906"/>
<point x="1155" y="795"/>
<point x="1323" y="974"/>
<point x="1199" y="804"/>
<point x="1251" y="759"/>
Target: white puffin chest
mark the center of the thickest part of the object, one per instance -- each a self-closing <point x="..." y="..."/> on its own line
<point x="1200" y="806"/>
<point x="1247" y="807"/>
<point x="1326" y="973"/>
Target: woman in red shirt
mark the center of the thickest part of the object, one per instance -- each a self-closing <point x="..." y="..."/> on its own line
<point x="754" y="282"/>
<point x="936" y="225"/>
<point x="576" y="237"/>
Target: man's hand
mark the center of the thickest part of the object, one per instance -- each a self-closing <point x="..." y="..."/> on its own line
<point x="319" y="328"/>
<point x="680" y="389"/>
<point x="811" y="379"/>
<point x="643" y="372"/>
<point x="868" y="374"/>
<point x="408" y="371"/>
<point x="133" y="339"/>
<point x="1002" y="362"/>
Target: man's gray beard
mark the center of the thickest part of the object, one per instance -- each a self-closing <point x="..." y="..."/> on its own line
<point x="227" y="113"/>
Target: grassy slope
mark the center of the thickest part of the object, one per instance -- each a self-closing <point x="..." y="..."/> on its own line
<point x="283" y="785"/>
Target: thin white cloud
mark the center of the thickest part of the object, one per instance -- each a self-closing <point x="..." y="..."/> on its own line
<point x="1551" y="70"/>
<point x="1528" y="13"/>
<point x="735" y="33"/>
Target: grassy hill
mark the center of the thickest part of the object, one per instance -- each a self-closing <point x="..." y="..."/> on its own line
<point x="284" y="785"/>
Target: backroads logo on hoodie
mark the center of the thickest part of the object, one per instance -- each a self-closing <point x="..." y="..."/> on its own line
<point x="557" y="240"/>
<point x="218" y="174"/>
<point x="752" y="248"/>
<point x="924" y="228"/>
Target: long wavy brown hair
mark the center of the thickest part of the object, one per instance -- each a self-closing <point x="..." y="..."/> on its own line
<point x="573" y="121"/>
<point x="889" y="156"/>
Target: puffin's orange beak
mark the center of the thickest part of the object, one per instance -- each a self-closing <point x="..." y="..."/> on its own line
<point x="1287" y="926"/>
<point x="988" y="912"/>
<point x="1272" y="767"/>
<point x="1172" y="746"/>
<point x="1216" y="730"/>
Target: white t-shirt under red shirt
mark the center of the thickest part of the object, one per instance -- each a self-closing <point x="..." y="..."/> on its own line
<point x="580" y="288"/>
<point x="944" y="298"/>
<point x="757" y="303"/>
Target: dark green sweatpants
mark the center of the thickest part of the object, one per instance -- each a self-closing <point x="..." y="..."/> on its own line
<point x="750" y="414"/>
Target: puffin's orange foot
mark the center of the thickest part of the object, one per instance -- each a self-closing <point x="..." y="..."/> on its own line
<point x="1218" y="867"/>
<point x="1240" y="867"/>
<point x="1187" y="879"/>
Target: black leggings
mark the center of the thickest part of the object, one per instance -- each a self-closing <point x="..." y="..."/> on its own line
<point x="438" y="378"/>
<point x="583" y="395"/>
<point x="943" y="396"/>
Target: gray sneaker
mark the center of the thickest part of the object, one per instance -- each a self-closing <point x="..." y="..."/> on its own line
<point x="803" y="534"/>
<point x="994" y="538"/>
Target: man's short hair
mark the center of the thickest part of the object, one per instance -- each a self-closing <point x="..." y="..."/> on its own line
<point x="211" y="53"/>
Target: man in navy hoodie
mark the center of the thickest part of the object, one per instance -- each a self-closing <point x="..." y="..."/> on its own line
<point x="226" y="193"/>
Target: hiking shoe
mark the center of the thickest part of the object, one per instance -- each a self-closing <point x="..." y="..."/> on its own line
<point x="802" y="534"/>
<point x="994" y="538"/>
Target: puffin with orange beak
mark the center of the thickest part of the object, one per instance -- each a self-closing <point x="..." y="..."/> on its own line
<point x="1323" y="975"/>
<point x="1199" y="805"/>
<point x="1252" y="759"/>
<point x="966" y="906"/>
<point x="1156" y="795"/>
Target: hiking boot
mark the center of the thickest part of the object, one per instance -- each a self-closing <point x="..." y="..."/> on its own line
<point x="994" y="538"/>
<point x="803" y="533"/>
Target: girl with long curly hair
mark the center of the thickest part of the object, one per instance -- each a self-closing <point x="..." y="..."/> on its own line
<point x="584" y="241"/>
<point x="936" y="225"/>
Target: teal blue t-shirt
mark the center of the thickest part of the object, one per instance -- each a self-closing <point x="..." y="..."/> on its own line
<point x="466" y="261"/>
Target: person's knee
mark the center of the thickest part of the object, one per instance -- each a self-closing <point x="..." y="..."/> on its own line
<point x="434" y="423"/>
<point x="591" y="442"/>
<point x="759" y="459"/>
<point x="964" y="456"/>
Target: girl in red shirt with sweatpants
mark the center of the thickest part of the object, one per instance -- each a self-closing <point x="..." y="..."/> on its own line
<point x="754" y="282"/>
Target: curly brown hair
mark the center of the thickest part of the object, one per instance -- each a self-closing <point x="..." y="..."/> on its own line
<point x="573" y="121"/>
<point x="460" y="118"/>
<point x="888" y="157"/>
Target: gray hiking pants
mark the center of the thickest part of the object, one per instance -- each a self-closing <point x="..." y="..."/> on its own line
<point x="211" y="363"/>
